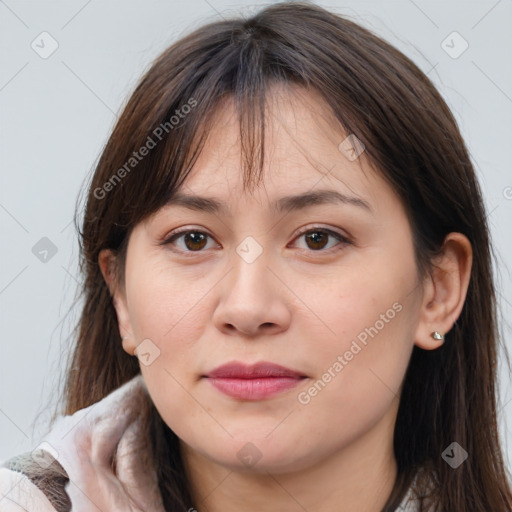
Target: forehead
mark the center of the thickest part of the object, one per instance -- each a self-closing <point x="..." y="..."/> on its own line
<point x="305" y="149"/>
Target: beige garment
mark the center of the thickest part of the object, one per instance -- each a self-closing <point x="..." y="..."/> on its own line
<point x="18" y="493"/>
<point x="84" y="444"/>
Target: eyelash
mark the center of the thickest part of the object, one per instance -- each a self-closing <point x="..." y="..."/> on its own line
<point x="342" y="239"/>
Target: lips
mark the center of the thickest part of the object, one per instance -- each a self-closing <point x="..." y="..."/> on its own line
<point x="253" y="382"/>
<point x="264" y="369"/>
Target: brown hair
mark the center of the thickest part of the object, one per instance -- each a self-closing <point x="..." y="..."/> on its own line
<point x="411" y="138"/>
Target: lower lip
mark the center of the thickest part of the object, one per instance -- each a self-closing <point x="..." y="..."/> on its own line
<point x="254" y="389"/>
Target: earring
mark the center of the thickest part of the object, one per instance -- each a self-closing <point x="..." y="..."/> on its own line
<point x="437" y="335"/>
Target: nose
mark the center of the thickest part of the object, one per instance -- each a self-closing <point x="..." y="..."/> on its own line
<point x="252" y="300"/>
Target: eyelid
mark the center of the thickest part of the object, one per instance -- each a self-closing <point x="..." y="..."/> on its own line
<point x="183" y="231"/>
<point x="343" y="238"/>
<point x="330" y="231"/>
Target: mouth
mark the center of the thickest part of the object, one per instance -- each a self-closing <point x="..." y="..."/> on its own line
<point x="253" y="382"/>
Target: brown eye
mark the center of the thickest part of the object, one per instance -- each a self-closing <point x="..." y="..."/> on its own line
<point x="318" y="239"/>
<point x="192" y="240"/>
<point x="195" y="241"/>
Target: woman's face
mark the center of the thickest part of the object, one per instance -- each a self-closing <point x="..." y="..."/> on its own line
<point x="326" y="288"/>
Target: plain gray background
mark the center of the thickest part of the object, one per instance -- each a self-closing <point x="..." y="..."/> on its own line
<point x="57" y="112"/>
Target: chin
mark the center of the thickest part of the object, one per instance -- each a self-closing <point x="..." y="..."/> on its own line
<point x="260" y="455"/>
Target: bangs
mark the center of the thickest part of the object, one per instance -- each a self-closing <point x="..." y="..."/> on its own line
<point x="173" y="110"/>
<point x="236" y="75"/>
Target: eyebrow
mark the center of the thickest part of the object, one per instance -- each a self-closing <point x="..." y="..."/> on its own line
<point x="283" y="205"/>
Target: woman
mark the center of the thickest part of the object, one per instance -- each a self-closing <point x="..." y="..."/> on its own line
<point x="288" y="296"/>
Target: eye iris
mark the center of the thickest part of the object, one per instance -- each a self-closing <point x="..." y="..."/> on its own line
<point x="195" y="238"/>
<point x="315" y="236"/>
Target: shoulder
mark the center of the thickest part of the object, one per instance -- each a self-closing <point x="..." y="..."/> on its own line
<point x="18" y="493"/>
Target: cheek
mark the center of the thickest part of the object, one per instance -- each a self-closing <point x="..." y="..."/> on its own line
<point x="165" y="307"/>
<point x="167" y="311"/>
<point x="371" y="303"/>
<point x="359" y="368"/>
<point x="356" y="385"/>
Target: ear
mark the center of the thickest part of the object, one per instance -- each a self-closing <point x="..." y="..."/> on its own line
<point x="444" y="291"/>
<point x="109" y="268"/>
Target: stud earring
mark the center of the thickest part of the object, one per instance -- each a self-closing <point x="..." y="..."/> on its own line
<point x="437" y="335"/>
